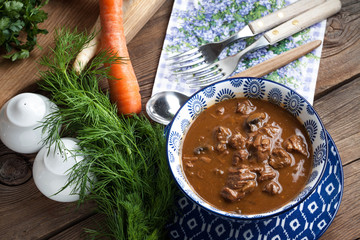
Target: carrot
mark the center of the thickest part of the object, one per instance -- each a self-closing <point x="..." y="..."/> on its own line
<point x="124" y="88"/>
<point x="92" y="48"/>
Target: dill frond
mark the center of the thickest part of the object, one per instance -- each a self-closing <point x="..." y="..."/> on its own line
<point x="127" y="155"/>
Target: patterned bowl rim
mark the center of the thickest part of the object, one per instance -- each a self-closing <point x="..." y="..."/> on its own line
<point x="222" y="213"/>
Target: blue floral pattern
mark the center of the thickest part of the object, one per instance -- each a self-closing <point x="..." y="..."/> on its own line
<point x="254" y="88"/>
<point x="293" y="103"/>
<point x="303" y="193"/>
<point x="196" y="22"/>
<point x="184" y="124"/>
<point x="171" y="157"/>
<point x="322" y="135"/>
<point x="174" y="140"/>
<point x="313" y="176"/>
<point x="311" y="128"/>
<point x="236" y="82"/>
<point x="212" y="20"/>
<point x="275" y="96"/>
<point x="195" y="105"/>
<point x="209" y="91"/>
<point x="310" y="110"/>
<point x="224" y="94"/>
<point x="320" y="155"/>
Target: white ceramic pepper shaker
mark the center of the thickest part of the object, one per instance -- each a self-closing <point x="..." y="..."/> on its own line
<point x="52" y="168"/>
<point x="20" y="122"/>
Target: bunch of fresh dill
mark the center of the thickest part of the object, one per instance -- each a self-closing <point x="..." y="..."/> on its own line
<point x="127" y="155"/>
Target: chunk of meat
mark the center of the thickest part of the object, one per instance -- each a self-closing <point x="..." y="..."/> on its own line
<point x="272" y="130"/>
<point x="272" y="187"/>
<point x="257" y="120"/>
<point x="262" y="144"/>
<point x="231" y="195"/>
<point x="249" y="186"/>
<point x="222" y="134"/>
<point x="280" y="158"/>
<point x="237" y="141"/>
<point x="245" y="107"/>
<point x="267" y="173"/>
<point x="240" y="156"/>
<point x="256" y="168"/>
<point x="238" y="184"/>
<point x="221" y="147"/>
<point x="296" y="143"/>
<point x="238" y="177"/>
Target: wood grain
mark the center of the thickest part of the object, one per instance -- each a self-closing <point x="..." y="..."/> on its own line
<point x="341" y="53"/>
<point x="279" y="61"/>
<point x="77" y="231"/>
<point x="138" y="14"/>
<point x="145" y="50"/>
<point x="340" y="113"/>
<point x="27" y="214"/>
<point x="347" y="220"/>
<point x="21" y="76"/>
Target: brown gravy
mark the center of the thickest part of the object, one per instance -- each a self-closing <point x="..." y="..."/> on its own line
<point x="247" y="156"/>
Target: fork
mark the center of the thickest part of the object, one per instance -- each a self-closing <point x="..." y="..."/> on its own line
<point x="206" y="54"/>
<point x="222" y="69"/>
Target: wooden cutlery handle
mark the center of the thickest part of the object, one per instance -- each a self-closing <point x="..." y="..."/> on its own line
<point x="304" y="20"/>
<point x="274" y="19"/>
<point x="279" y="61"/>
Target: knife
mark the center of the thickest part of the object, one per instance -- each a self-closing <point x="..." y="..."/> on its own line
<point x="227" y="65"/>
<point x="261" y="25"/>
<point x="279" y="61"/>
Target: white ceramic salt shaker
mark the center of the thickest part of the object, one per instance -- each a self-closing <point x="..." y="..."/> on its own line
<point x="20" y="121"/>
<point x="52" y="168"/>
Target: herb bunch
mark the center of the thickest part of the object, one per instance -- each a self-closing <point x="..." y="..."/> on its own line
<point x="17" y="18"/>
<point x="127" y="155"/>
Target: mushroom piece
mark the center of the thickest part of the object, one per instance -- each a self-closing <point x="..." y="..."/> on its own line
<point x="257" y="120"/>
<point x="202" y="149"/>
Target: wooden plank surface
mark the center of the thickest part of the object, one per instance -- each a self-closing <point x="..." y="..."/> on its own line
<point x="340" y="57"/>
<point x="340" y="113"/>
<point x="26" y="214"/>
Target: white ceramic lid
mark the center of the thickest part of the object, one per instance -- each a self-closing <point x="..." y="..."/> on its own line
<point x="26" y="109"/>
<point x="51" y="170"/>
<point x="60" y="161"/>
<point x="21" y="120"/>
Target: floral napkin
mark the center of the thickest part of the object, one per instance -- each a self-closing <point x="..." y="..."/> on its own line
<point x="196" y="22"/>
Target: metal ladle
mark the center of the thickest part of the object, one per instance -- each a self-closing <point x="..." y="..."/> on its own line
<point x="163" y="106"/>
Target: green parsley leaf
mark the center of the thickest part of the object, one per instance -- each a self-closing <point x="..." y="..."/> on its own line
<point x="20" y="18"/>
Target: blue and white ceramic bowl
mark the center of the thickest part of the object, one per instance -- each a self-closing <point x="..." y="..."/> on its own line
<point x="250" y="88"/>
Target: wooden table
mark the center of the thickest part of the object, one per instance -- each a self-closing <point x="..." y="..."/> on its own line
<point x="26" y="214"/>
